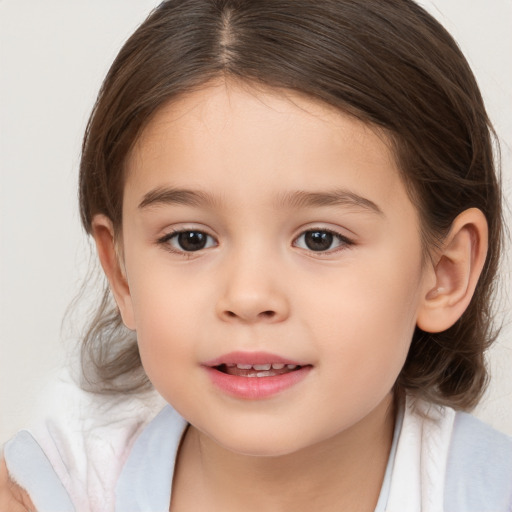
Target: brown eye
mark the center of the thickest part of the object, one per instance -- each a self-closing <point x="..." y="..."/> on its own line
<point x="318" y="240"/>
<point x="321" y="240"/>
<point x="192" y="240"/>
<point x="188" y="241"/>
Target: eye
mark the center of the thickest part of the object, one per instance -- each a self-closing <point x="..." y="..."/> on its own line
<point x="321" y="240"/>
<point x="188" y="240"/>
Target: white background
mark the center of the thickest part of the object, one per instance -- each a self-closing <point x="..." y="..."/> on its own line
<point x="53" y="57"/>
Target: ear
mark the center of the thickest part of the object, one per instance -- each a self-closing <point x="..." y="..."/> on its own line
<point x="457" y="267"/>
<point x="111" y="261"/>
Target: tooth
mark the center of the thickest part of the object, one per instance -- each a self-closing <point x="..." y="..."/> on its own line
<point x="264" y="374"/>
<point x="265" y="367"/>
<point x="230" y="365"/>
<point x="244" y="366"/>
<point x="277" y="366"/>
<point x="291" y="366"/>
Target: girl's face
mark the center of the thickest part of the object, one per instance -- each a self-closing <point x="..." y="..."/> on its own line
<point x="263" y="228"/>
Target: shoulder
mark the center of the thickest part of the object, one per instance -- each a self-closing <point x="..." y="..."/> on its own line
<point x="473" y="436"/>
<point x="487" y="451"/>
<point x="479" y="466"/>
<point x="27" y="467"/>
<point x="77" y="447"/>
<point x="448" y="460"/>
<point x="147" y="474"/>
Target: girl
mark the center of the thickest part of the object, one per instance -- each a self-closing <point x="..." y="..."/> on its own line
<point x="296" y="208"/>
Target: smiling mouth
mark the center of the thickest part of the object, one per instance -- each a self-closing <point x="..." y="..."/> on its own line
<point x="256" y="375"/>
<point x="257" y="370"/>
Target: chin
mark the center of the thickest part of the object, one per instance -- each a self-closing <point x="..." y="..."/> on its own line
<point x="262" y="443"/>
<point x="260" y="450"/>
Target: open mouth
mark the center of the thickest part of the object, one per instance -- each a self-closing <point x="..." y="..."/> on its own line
<point x="257" y="370"/>
<point x="256" y="375"/>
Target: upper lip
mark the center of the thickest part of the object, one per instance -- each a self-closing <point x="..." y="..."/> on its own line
<point x="251" y="358"/>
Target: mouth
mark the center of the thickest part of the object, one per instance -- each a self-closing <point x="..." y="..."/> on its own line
<point x="257" y="370"/>
<point x="256" y="375"/>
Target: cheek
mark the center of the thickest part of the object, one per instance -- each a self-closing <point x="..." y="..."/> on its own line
<point x="166" y="322"/>
<point x="368" y="320"/>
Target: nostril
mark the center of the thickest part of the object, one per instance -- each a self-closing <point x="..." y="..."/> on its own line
<point x="264" y="314"/>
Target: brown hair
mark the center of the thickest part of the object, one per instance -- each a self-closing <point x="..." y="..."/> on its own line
<point x="387" y="62"/>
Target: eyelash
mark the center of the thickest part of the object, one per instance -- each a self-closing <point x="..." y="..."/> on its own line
<point x="343" y="241"/>
<point x="174" y="234"/>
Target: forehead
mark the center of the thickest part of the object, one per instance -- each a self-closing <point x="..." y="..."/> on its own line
<point x="238" y="141"/>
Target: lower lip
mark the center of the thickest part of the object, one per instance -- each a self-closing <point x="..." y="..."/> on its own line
<point x="256" y="388"/>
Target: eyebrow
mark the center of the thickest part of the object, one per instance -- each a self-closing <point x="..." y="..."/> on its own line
<point x="339" y="197"/>
<point x="161" y="196"/>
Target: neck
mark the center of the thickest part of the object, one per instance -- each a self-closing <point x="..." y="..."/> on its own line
<point x="344" y="472"/>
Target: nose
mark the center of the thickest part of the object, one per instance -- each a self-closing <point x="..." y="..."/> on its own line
<point x="252" y="291"/>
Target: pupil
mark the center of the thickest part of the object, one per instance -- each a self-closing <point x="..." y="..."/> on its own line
<point x="318" y="240"/>
<point x="192" y="240"/>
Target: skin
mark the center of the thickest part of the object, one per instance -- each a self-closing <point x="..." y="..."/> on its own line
<point x="12" y="497"/>
<point x="349" y="311"/>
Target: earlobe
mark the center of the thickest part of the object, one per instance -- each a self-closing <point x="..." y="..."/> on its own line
<point x="457" y="267"/>
<point x="111" y="262"/>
